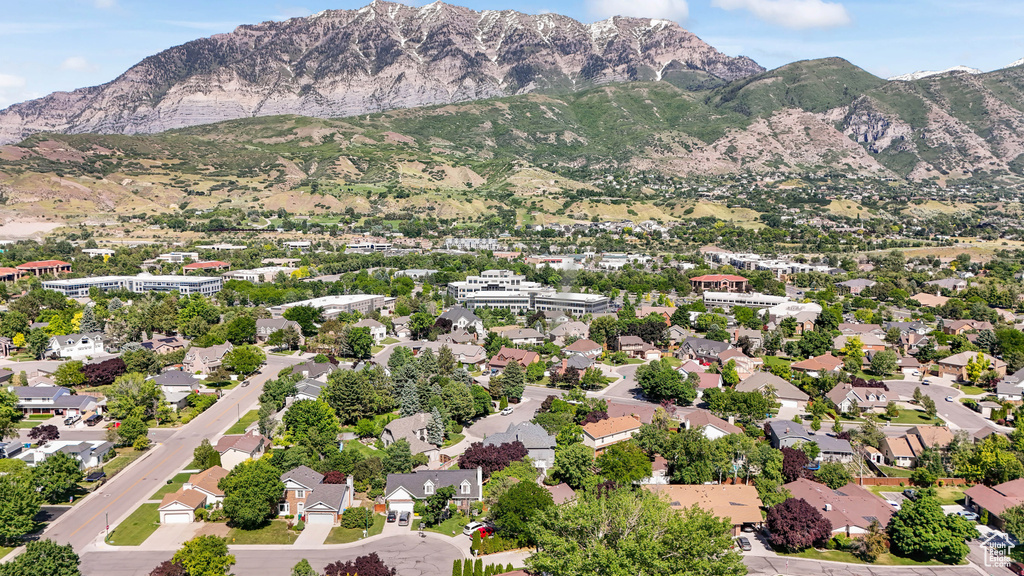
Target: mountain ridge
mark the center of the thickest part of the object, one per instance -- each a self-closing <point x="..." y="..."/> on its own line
<point x="382" y="56"/>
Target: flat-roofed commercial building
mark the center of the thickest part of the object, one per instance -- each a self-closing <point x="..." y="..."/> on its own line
<point x="750" y="300"/>
<point x="347" y="303"/>
<point x="185" y="285"/>
<point x="258" y="275"/>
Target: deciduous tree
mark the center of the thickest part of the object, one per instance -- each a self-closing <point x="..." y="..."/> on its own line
<point x="43" y="558"/>
<point x="57" y="477"/>
<point x="251" y="493"/>
<point x="205" y="556"/>
<point x="921" y="530"/>
<point x="624" y="463"/>
<point x="796" y="525"/>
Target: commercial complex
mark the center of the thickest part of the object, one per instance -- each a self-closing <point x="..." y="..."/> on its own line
<point x="185" y="285"/>
<point x="342" y="303"/>
<point x="748" y="299"/>
<point x="259" y="275"/>
<point x="505" y="289"/>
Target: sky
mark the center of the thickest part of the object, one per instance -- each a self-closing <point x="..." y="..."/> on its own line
<point x="51" y="45"/>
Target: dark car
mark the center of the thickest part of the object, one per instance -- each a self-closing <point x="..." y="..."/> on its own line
<point x="744" y="543"/>
<point x="403" y="519"/>
<point x="1017" y="568"/>
<point x="392" y="515"/>
<point x="910" y="494"/>
<point x="93" y="420"/>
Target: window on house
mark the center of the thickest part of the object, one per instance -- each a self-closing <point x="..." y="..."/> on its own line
<point x="465" y="487"/>
<point x="300" y="493"/>
<point x="428" y="488"/>
<point x="282" y="508"/>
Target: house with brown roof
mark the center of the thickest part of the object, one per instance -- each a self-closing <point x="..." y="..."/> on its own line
<point x="665" y="312"/>
<point x="786" y="394"/>
<point x="207" y="483"/>
<point x="933" y="436"/>
<point x="868" y="341"/>
<point x="506" y="355"/>
<point x="412" y="429"/>
<point x="845" y="394"/>
<point x="712" y="426"/>
<point x="930" y="300"/>
<point x="602" y="434"/>
<point x="995" y="499"/>
<point x="180" y="507"/>
<point x="957" y="327"/>
<point x="631" y="345"/>
<point x="571" y="329"/>
<point x="737" y="502"/>
<point x="956" y="365"/>
<point x="745" y="365"/>
<point x="205" y="360"/>
<point x="584" y="347"/>
<point x="850" y="508"/>
<point x="642" y="412"/>
<point x="164" y="344"/>
<point x="818" y="365"/>
<point x="237" y="448"/>
<point x="525" y="337"/>
<point x="902" y="451"/>
<point x="42" y="267"/>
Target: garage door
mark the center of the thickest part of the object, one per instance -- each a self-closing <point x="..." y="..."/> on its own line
<point x="401" y="507"/>
<point x="789" y="403"/>
<point x="320" y="518"/>
<point x="176" y="518"/>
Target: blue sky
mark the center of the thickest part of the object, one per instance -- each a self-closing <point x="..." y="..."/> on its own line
<point x="48" y="45"/>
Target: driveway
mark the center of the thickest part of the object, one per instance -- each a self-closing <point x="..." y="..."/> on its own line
<point x="313" y="535"/>
<point x="171" y="536"/>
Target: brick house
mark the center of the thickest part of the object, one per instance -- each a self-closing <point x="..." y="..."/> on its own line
<point x="237" y="448"/>
<point x="306" y="496"/>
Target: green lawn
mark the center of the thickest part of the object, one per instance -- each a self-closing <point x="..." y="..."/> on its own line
<point x="389" y="340"/>
<point x="840" y="556"/>
<point x="174" y="486"/>
<point x="672" y="361"/>
<point x="895" y="472"/>
<point x="125" y="456"/>
<point x="247" y="418"/>
<point x="770" y="361"/>
<point x="137" y="527"/>
<point x="972" y="390"/>
<point x="341" y="535"/>
<point x="946" y="495"/>
<point x="26" y="424"/>
<point x="376" y="349"/>
<point x="362" y="448"/>
<point x="450" y="527"/>
<point x="913" y="417"/>
<point x="453" y="439"/>
<point x="4" y="551"/>
<point x="276" y="532"/>
<point x="39" y="416"/>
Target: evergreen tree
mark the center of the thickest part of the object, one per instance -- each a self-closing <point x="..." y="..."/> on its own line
<point x="409" y="400"/>
<point x="467" y="567"/>
<point x="514" y="380"/>
<point x="435" y="428"/>
<point x="478" y="567"/>
<point x="445" y="361"/>
<point x="89" y="323"/>
<point x="456" y="567"/>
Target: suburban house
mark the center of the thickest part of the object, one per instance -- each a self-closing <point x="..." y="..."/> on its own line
<point x="469" y="356"/>
<point x="956" y="365"/>
<point x="850" y="508"/>
<point x="902" y="451"/>
<point x="458" y="336"/>
<point x="75" y="346"/>
<point x="844" y="395"/>
<point x="677" y="334"/>
<point x="815" y="367"/>
<point x="570" y="329"/>
<point x="88" y="453"/>
<point x="463" y="319"/>
<point x="712" y="426"/>
<point x="786" y="434"/>
<point x="786" y="394"/>
<point x="315" y="370"/>
<point x="856" y="286"/>
<point x="164" y="344"/>
<point x="868" y="341"/>
<point x="719" y="283"/>
<point x="506" y="355"/>
<point x="584" y="347"/>
<point x="525" y="337"/>
<point x="1011" y="387"/>
<point x="701" y="349"/>
<point x="308" y="389"/>
<point x="602" y="434"/>
<point x="413" y="429"/>
<point x="403" y="490"/>
<point x="753" y="336"/>
<point x="307" y="497"/>
<point x="665" y="312"/>
<point x="206" y="482"/>
<point x="267" y="326"/>
<point x="930" y="300"/>
<point x="180" y="507"/>
<point x="205" y="360"/>
<point x="377" y="330"/>
<point x="957" y="327"/>
<point x="951" y="284"/>
<point x="54" y="400"/>
<point x="745" y="365"/>
<point x="643" y="413"/>
<point x="631" y="345"/>
<point x="737" y="502"/>
<point x="578" y="362"/>
<point x="176" y="385"/>
<point x="707" y="380"/>
<point x="237" y="448"/>
<point x="995" y="499"/>
<point x="400" y="326"/>
<point x="540" y="446"/>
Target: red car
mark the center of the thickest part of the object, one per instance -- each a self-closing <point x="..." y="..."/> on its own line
<point x="485" y="531"/>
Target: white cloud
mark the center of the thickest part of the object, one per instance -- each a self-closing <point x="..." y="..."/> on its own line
<point x="104" y="4"/>
<point x="795" y="14"/>
<point x="77" y="64"/>
<point x="677" y="10"/>
<point x="13" y="89"/>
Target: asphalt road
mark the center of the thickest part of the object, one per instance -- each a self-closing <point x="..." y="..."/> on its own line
<point x="120" y="495"/>
<point x="410" y="555"/>
<point x="955" y="413"/>
<point x="773" y="565"/>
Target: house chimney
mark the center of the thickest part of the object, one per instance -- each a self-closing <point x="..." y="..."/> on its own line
<point x="480" y="479"/>
<point x="732" y="420"/>
<point x="828" y="507"/>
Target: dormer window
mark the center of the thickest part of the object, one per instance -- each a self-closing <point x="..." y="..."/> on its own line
<point x="428" y="488"/>
<point x="464" y="488"/>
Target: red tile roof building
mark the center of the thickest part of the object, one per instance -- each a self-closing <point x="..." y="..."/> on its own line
<point x="42" y="267"/>
<point x="210" y="265"/>
<point x="719" y="282"/>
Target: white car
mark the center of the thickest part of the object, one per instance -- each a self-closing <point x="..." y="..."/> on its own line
<point x="895" y="505"/>
<point x="949" y="398"/>
<point x="506" y="411"/>
<point x="916" y="373"/>
<point x="468" y="529"/>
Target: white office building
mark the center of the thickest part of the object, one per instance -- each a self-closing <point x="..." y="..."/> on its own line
<point x="259" y="275"/>
<point x="505" y="289"/>
<point x="185" y="285"/>
<point x="749" y="299"/>
<point x="493" y="281"/>
<point x="347" y="303"/>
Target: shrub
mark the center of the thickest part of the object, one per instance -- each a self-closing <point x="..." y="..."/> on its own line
<point x="356" y="518"/>
<point x="201" y="515"/>
<point x="299" y="526"/>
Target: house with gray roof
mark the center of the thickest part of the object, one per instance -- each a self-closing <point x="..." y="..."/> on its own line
<point x="787" y="434"/>
<point x="857" y="285"/>
<point x="308" y="389"/>
<point x="1011" y="387"/>
<point x="403" y="490"/>
<point x="413" y="429"/>
<point x="267" y="326"/>
<point x="463" y="318"/>
<point x="205" y="360"/>
<point x="701" y="349"/>
<point x="307" y="497"/>
<point x="540" y="445"/>
<point x="786" y="394"/>
<point x="315" y="370"/>
<point x="52" y="400"/>
<point x="572" y="329"/>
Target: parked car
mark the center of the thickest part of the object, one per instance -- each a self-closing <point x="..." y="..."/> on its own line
<point x="949" y="398"/>
<point x="403" y="519"/>
<point x="1017" y="568"/>
<point x="895" y="505"/>
<point x="72" y="420"/>
<point x="744" y="543"/>
<point x="968" y="515"/>
<point x="392" y="515"/>
<point x="915" y="373"/>
<point x="910" y="494"/>
<point x="468" y="529"/>
<point x="486" y="531"/>
<point x="93" y="420"/>
<point x="506" y="411"/>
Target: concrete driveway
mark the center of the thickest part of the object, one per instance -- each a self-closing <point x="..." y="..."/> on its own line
<point x="313" y="535"/>
<point x="171" y="536"/>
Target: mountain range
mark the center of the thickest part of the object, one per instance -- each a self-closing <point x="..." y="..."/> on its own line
<point x="380" y="57"/>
